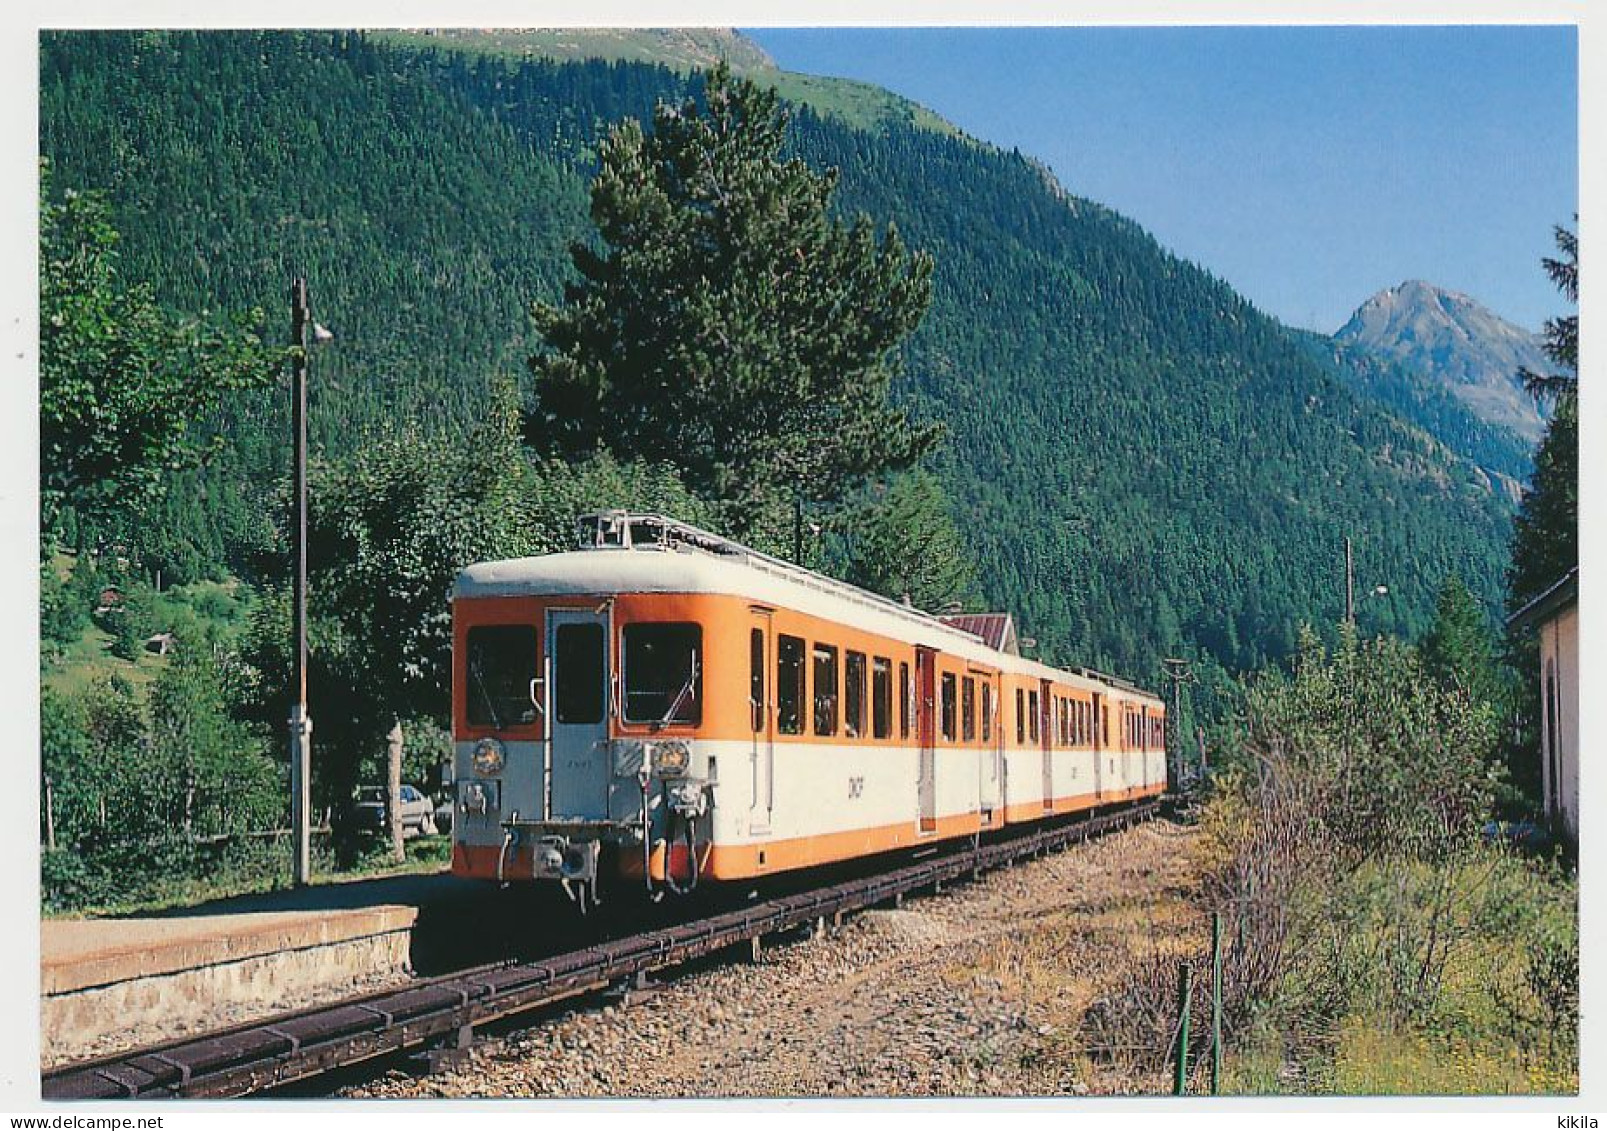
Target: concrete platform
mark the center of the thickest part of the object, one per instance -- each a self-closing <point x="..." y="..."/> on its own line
<point x="110" y="984"/>
<point x="106" y="983"/>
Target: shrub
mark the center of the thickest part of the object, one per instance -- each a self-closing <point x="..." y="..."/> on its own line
<point x="1365" y="916"/>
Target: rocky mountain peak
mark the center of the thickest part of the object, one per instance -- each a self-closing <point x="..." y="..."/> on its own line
<point x="1455" y="339"/>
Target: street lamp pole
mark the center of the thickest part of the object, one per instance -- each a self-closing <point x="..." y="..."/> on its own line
<point x="300" y="721"/>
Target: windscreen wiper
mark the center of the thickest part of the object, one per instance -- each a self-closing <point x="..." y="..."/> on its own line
<point x="680" y="697"/>
<point x="474" y="670"/>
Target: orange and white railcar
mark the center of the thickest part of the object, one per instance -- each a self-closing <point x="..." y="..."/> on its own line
<point x="665" y="706"/>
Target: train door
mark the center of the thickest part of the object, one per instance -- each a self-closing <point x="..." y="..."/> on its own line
<point x="926" y="734"/>
<point x="992" y="753"/>
<point x="1099" y="745"/>
<point x="577" y="714"/>
<point x="1046" y="737"/>
<point x="762" y="720"/>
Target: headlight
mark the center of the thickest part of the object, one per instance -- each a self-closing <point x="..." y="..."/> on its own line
<point x="671" y="759"/>
<point x="488" y="756"/>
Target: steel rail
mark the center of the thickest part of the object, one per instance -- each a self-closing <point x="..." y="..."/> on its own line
<point x="444" y="1010"/>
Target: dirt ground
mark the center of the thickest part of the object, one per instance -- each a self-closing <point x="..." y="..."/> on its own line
<point x="985" y="989"/>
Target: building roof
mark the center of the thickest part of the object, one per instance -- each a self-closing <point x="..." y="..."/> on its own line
<point x="1559" y="595"/>
<point x="998" y="630"/>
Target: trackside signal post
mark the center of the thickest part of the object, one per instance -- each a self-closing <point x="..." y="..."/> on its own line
<point x="300" y="721"/>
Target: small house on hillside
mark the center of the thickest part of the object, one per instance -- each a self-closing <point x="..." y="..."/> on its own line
<point x="1554" y="616"/>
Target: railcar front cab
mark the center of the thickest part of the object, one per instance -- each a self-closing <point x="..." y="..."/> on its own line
<point x="572" y="763"/>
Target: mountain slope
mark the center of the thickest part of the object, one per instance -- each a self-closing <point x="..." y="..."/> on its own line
<point x="1453" y="339"/>
<point x="1145" y="464"/>
<point x="684" y="50"/>
<point x="1429" y="403"/>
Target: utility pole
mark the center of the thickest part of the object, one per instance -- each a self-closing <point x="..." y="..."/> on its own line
<point x="300" y="721"/>
<point x="1350" y="586"/>
<point x="1178" y="672"/>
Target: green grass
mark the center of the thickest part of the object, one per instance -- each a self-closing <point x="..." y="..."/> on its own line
<point x="264" y="870"/>
<point x="89" y="661"/>
<point x="222" y="607"/>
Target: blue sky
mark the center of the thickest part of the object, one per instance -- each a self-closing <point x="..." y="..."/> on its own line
<point x="1308" y="167"/>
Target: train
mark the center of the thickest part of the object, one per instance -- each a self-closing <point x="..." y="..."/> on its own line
<point x="662" y="708"/>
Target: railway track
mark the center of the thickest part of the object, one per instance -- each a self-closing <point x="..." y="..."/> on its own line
<point x="442" y="1012"/>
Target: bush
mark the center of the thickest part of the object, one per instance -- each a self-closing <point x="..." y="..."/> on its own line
<point x="1366" y="920"/>
<point x="139" y="795"/>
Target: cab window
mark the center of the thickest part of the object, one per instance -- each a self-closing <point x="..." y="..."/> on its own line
<point x="498" y="670"/>
<point x="663" y="673"/>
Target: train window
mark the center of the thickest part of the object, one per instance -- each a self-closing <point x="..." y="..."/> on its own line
<point x="881" y="697"/>
<point x="1021" y="716"/>
<point x="987" y="712"/>
<point x="854" y="695"/>
<point x="904" y="699"/>
<point x="825" y="657"/>
<point x="968" y="710"/>
<point x="789" y="684"/>
<point x="500" y="665"/>
<point x="577" y="656"/>
<point x="756" y="678"/>
<point x="663" y="673"/>
<point x="948" y="704"/>
<point x="1032" y="715"/>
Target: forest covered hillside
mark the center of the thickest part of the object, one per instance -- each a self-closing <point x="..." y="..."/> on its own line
<point x="683" y="50"/>
<point x="1144" y="464"/>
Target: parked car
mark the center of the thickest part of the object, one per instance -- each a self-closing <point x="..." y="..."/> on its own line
<point x="418" y="813"/>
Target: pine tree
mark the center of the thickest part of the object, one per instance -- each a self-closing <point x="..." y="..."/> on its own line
<point x="731" y="325"/>
<point x="1545" y="531"/>
<point x="905" y="544"/>
<point x="1545" y="542"/>
<point x="1459" y="649"/>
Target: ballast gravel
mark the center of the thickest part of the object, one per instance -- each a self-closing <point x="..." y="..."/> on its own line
<point x="976" y="991"/>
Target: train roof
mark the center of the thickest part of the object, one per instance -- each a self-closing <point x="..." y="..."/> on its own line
<point x="708" y="564"/>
